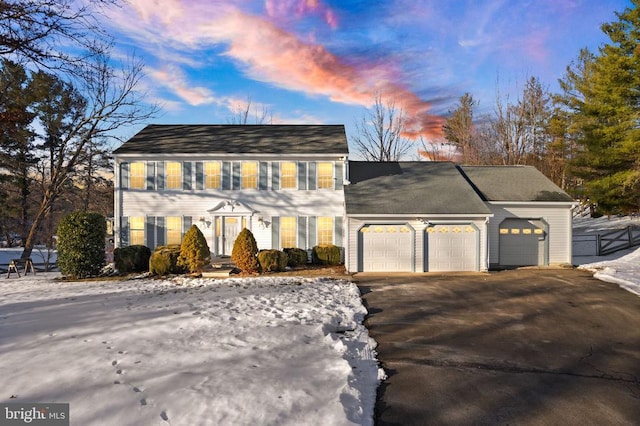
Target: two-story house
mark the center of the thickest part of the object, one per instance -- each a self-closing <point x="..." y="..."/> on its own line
<point x="283" y="182"/>
<point x="293" y="186"/>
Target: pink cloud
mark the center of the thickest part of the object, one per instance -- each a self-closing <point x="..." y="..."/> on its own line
<point x="286" y="9"/>
<point x="173" y="78"/>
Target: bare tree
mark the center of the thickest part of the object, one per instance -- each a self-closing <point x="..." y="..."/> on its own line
<point x="460" y="130"/>
<point x="37" y="30"/>
<point x="438" y="151"/>
<point x="380" y="132"/>
<point x="241" y="113"/>
<point x="111" y="102"/>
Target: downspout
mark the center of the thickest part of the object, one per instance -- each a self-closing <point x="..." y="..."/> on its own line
<point x="488" y="253"/>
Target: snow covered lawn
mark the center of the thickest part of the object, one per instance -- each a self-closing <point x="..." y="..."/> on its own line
<point x="183" y="351"/>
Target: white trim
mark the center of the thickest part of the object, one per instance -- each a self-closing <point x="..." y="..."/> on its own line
<point x="420" y="216"/>
<point x="534" y="203"/>
<point x="153" y="156"/>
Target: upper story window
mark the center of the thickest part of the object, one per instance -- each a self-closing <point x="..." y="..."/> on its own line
<point x="288" y="175"/>
<point x="174" y="229"/>
<point x="249" y="175"/>
<point x="136" y="175"/>
<point x="212" y="174"/>
<point x="174" y="175"/>
<point x="136" y="230"/>
<point x="325" y="230"/>
<point x="325" y="175"/>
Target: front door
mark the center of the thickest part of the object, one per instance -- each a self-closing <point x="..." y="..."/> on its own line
<point x="231" y="231"/>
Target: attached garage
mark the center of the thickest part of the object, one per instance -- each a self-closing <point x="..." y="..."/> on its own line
<point x="523" y="242"/>
<point x="452" y="247"/>
<point x="387" y="248"/>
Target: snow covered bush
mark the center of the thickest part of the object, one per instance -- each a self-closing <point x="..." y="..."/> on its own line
<point x="194" y="250"/>
<point x="326" y="254"/>
<point x="133" y="258"/>
<point x="272" y="260"/>
<point x="81" y="242"/>
<point x="296" y="256"/>
<point x="164" y="260"/>
<point x="244" y="253"/>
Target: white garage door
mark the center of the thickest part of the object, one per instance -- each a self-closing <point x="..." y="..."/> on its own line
<point x="452" y="248"/>
<point x="386" y="248"/>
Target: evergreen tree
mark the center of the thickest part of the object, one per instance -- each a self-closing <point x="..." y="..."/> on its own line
<point x="194" y="250"/>
<point x="601" y="92"/>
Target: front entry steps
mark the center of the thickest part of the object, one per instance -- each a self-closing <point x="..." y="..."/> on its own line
<point x="221" y="267"/>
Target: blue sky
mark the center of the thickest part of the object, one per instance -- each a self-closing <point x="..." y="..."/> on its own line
<point x="324" y="61"/>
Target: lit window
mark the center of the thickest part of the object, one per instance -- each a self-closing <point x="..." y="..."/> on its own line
<point x="249" y="175"/>
<point x="288" y="179"/>
<point x="136" y="175"/>
<point x="212" y="174"/>
<point x="136" y="230"/>
<point x="174" y="175"/>
<point x="325" y="175"/>
<point x="287" y="232"/>
<point x="325" y="230"/>
<point x="174" y="230"/>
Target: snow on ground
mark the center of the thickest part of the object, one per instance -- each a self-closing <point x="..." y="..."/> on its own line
<point x="186" y="351"/>
<point x="623" y="267"/>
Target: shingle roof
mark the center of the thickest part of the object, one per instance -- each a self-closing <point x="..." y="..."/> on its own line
<point x="410" y="188"/>
<point x="513" y="183"/>
<point x="237" y="139"/>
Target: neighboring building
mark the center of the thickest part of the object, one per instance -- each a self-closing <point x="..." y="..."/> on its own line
<point x="292" y="186"/>
<point x="283" y="182"/>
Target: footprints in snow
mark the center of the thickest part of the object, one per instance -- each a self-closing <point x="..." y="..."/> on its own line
<point x="139" y="390"/>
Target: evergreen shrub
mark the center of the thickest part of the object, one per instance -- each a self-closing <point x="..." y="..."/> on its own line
<point x="164" y="260"/>
<point x="297" y="256"/>
<point x="133" y="258"/>
<point x="194" y="250"/>
<point x="244" y="253"/>
<point x="81" y="242"/>
<point x="272" y="260"/>
<point x="326" y="254"/>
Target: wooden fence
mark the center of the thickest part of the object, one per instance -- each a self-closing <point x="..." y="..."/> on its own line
<point x="606" y="243"/>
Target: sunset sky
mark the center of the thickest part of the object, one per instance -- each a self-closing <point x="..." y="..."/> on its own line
<point x="323" y="61"/>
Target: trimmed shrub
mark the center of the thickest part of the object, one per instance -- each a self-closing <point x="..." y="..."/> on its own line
<point x="244" y="252"/>
<point x="326" y="254"/>
<point x="164" y="260"/>
<point x="194" y="250"/>
<point x="81" y="240"/>
<point x="272" y="260"/>
<point x="296" y="256"/>
<point x="133" y="258"/>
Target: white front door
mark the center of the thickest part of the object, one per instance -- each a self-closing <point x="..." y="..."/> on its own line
<point x="231" y="231"/>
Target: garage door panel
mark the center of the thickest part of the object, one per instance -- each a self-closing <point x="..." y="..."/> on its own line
<point x="522" y="242"/>
<point x="452" y="248"/>
<point x="386" y="248"/>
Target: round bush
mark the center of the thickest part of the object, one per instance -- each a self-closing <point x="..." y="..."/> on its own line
<point x="164" y="260"/>
<point x="296" y="256"/>
<point x="194" y="250"/>
<point x="133" y="258"/>
<point x="272" y="260"/>
<point x="326" y="254"/>
<point x="81" y="242"/>
<point x="245" y="251"/>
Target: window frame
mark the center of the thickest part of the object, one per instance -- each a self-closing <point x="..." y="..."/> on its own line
<point x="173" y="180"/>
<point x="288" y="231"/>
<point x="246" y="178"/>
<point x="327" y="231"/>
<point x="171" y="232"/>
<point x="291" y="180"/>
<point x="136" y="234"/>
<point x="137" y="177"/>
<point x="325" y="181"/>
<point x="215" y="176"/>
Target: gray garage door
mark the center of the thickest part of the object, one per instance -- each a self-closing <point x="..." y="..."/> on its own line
<point x="386" y="248"/>
<point x="522" y="242"/>
<point x="452" y="248"/>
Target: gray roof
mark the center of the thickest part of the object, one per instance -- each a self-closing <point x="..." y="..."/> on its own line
<point x="410" y="187"/>
<point x="237" y="139"/>
<point x="513" y="183"/>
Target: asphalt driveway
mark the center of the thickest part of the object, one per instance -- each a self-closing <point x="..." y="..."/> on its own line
<point x="525" y="347"/>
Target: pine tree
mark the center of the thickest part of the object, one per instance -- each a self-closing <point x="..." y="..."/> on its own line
<point x="601" y="93"/>
<point x="245" y="251"/>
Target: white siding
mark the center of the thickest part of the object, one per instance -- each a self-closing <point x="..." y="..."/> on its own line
<point x="558" y="217"/>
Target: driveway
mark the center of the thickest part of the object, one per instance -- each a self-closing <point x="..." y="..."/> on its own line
<point x="525" y="347"/>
